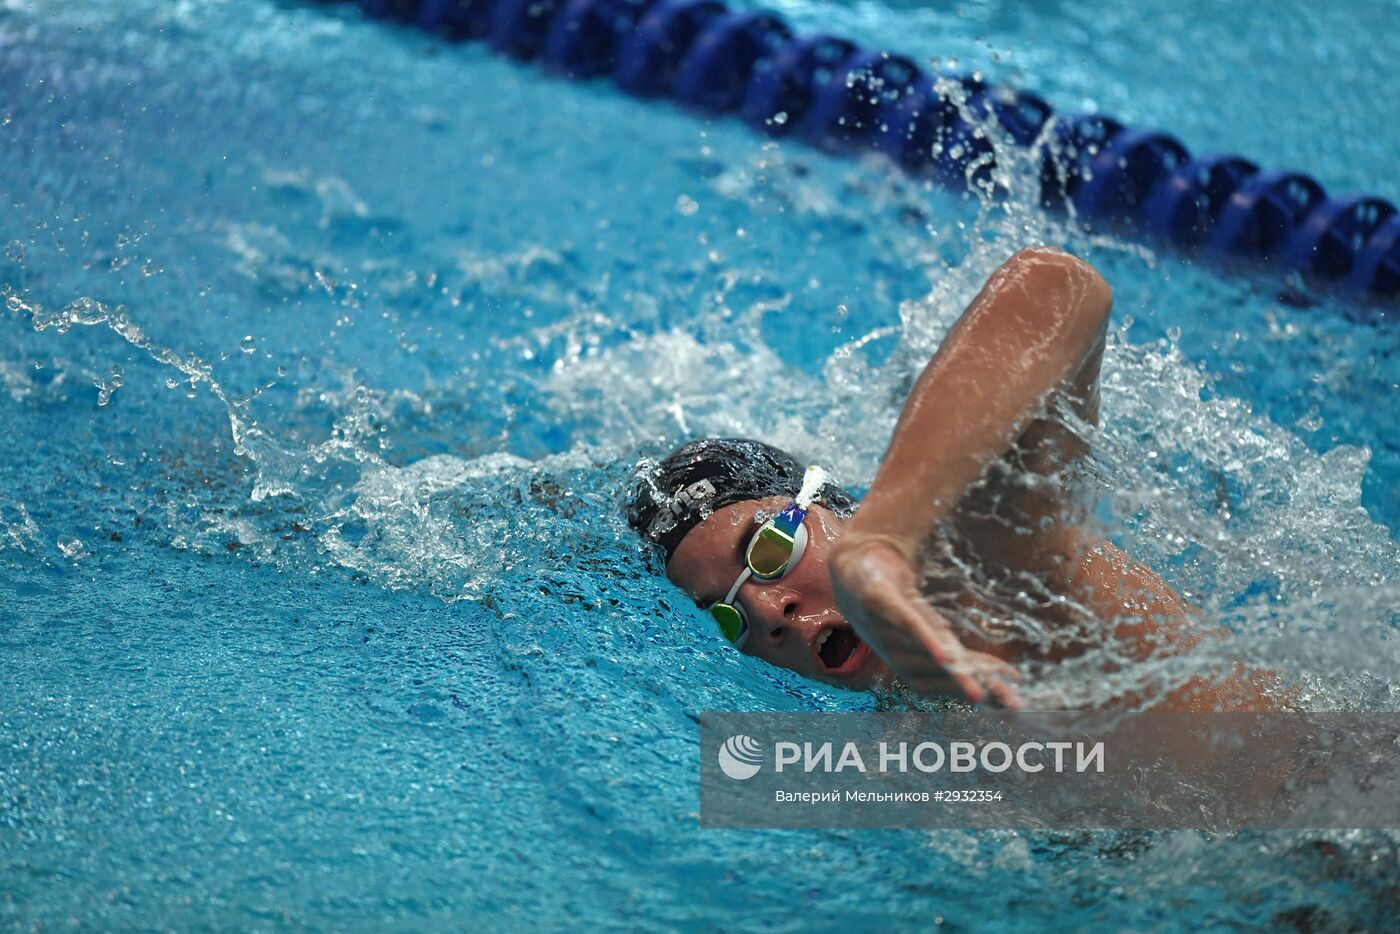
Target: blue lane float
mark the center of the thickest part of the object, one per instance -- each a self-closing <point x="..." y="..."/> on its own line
<point x="837" y="96"/>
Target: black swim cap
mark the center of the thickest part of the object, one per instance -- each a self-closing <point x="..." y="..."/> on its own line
<point x="672" y="496"/>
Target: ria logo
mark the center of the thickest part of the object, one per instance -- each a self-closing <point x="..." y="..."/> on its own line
<point x="740" y="757"/>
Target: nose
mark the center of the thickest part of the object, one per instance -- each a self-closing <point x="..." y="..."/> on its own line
<point x="775" y="610"/>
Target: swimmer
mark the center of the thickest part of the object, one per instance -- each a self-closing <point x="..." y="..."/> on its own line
<point x="978" y="475"/>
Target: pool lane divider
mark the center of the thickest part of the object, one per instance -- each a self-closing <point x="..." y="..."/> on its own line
<point x="833" y="94"/>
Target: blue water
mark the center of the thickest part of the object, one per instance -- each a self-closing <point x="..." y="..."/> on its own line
<point x="328" y="350"/>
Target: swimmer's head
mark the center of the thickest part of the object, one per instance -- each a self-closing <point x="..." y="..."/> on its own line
<point x="702" y="505"/>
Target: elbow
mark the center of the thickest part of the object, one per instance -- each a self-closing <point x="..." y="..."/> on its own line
<point x="1073" y="285"/>
<point x="1054" y="270"/>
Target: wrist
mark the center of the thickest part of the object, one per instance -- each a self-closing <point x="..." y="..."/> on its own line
<point x="853" y="542"/>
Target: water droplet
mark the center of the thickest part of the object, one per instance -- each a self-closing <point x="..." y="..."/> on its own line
<point x="71" y="547"/>
<point x="111" y="385"/>
<point x="248" y="344"/>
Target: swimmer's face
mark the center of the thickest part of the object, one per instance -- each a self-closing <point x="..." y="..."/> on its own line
<point x="793" y="621"/>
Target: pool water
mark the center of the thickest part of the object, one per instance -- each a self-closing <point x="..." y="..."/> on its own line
<point x="329" y="350"/>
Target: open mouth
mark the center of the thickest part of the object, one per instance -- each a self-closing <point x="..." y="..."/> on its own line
<point x="840" y="650"/>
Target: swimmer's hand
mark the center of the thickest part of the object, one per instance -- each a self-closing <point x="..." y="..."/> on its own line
<point x="877" y="591"/>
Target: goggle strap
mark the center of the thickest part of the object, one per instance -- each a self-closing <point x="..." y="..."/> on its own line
<point x="812" y="482"/>
<point x="734" y="591"/>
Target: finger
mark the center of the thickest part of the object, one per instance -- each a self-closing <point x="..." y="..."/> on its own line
<point x="997" y="677"/>
<point x="943" y="648"/>
<point x="1000" y="667"/>
<point x="968" y="691"/>
<point x="931" y="656"/>
<point x="1007" y="677"/>
<point x="924" y="639"/>
<point x="1009" y="671"/>
<point x="915" y="668"/>
<point x="965" y="676"/>
<point x="1004" y="695"/>
<point x="918" y="667"/>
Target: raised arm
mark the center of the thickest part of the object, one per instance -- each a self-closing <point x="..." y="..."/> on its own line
<point x="1026" y="335"/>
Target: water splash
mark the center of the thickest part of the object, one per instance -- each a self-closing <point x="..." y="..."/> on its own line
<point x="105" y="387"/>
<point x="18" y="530"/>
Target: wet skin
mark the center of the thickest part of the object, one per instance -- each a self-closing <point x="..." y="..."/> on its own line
<point x="790" y="619"/>
<point x="1034" y="336"/>
<point x="794" y="621"/>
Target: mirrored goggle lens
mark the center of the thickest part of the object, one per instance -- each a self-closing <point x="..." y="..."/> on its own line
<point x="769" y="553"/>
<point x="731" y="622"/>
<point x="773" y="552"/>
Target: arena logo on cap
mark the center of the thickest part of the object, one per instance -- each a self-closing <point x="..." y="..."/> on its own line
<point x="683" y="499"/>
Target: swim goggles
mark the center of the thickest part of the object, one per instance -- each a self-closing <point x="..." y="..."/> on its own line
<point x="772" y="553"/>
